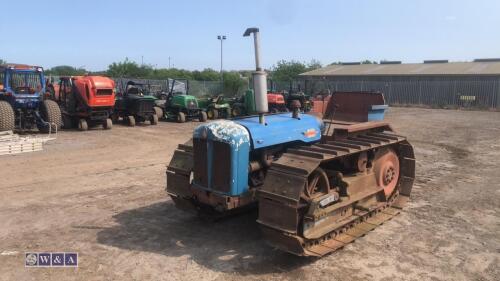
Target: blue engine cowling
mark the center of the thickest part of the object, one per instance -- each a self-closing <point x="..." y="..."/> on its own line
<point x="223" y="149"/>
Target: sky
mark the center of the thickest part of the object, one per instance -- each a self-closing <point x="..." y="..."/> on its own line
<point x="93" y="34"/>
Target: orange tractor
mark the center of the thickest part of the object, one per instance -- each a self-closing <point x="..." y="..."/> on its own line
<point x="85" y="101"/>
<point x="276" y="102"/>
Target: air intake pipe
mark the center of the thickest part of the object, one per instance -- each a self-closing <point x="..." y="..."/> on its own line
<point x="258" y="77"/>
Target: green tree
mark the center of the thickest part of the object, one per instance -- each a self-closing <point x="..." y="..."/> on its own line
<point x="233" y="83"/>
<point x="65" y="70"/>
<point x="368" y="62"/>
<point x="130" y="69"/>
<point x="207" y="74"/>
<point x="2" y="61"/>
<point x="287" y="70"/>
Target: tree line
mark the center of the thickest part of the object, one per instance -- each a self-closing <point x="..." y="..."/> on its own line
<point x="282" y="71"/>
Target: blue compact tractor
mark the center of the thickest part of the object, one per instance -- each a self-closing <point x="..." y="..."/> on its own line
<point x="318" y="183"/>
<point x="22" y="103"/>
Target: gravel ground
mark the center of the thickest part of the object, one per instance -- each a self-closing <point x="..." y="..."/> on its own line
<point x="101" y="194"/>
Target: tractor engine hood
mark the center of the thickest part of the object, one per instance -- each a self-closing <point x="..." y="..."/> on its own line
<point x="279" y="129"/>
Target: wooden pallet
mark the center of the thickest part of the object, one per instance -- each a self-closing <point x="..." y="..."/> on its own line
<point x="11" y="143"/>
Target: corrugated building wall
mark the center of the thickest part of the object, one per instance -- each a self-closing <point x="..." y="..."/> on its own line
<point x="475" y="84"/>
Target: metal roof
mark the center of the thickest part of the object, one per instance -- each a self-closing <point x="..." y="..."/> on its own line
<point x="409" y="69"/>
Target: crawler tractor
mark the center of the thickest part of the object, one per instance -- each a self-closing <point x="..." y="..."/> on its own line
<point x="22" y="100"/>
<point x="85" y="101"/>
<point x="318" y="184"/>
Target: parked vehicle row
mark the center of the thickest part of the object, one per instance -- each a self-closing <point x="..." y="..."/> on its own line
<point x="29" y="100"/>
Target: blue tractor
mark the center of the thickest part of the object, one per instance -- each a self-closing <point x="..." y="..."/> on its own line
<point x="318" y="183"/>
<point x="22" y="100"/>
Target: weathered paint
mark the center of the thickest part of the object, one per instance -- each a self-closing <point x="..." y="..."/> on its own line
<point x="282" y="129"/>
<point x="238" y="138"/>
<point x="245" y="135"/>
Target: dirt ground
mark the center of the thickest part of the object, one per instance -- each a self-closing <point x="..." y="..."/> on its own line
<point x="101" y="194"/>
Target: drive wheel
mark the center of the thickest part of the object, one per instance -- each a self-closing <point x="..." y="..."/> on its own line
<point x="387" y="170"/>
<point x="154" y="119"/>
<point x="158" y="112"/>
<point x="317" y="184"/>
<point x="131" y="120"/>
<point x="212" y="114"/>
<point x="82" y="125"/>
<point x="203" y="116"/>
<point x="181" y="117"/>
<point x="108" y="124"/>
<point x="51" y="113"/>
<point x="7" y="117"/>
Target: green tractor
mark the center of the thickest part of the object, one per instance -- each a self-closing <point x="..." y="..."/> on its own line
<point x="180" y="106"/>
<point x="136" y="104"/>
<point x="215" y="107"/>
<point x="244" y="105"/>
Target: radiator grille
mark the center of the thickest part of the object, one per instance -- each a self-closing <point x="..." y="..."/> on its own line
<point x="200" y="169"/>
<point x="221" y="167"/>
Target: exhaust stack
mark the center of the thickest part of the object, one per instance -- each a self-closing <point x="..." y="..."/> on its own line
<point x="258" y="76"/>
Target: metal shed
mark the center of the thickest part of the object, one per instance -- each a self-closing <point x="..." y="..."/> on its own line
<point x="433" y="83"/>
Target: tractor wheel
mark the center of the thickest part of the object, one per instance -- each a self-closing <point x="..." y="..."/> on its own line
<point x="203" y="116"/>
<point x="114" y="118"/>
<point x="108" y="124"/>
<point x="67" y="121"/>
<point x="154" y="119"/>
<point x="7" y="117"/>
<point x="236" y="111"/>
<point x="51" y="113"/>
<point x="213" y="114"/>
<point x="158" y="112"/>
<point x="181" y="117"/>
<point x="82" y="125"/>
<point x="131" y="120"/>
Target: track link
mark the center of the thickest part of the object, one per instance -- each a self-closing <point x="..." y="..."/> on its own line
<point x="280" y="203"/>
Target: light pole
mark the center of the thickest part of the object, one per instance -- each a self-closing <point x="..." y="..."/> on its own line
<point x="221" y="38"/>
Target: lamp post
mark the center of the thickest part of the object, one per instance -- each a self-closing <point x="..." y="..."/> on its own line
<point x="221" y="38"/>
